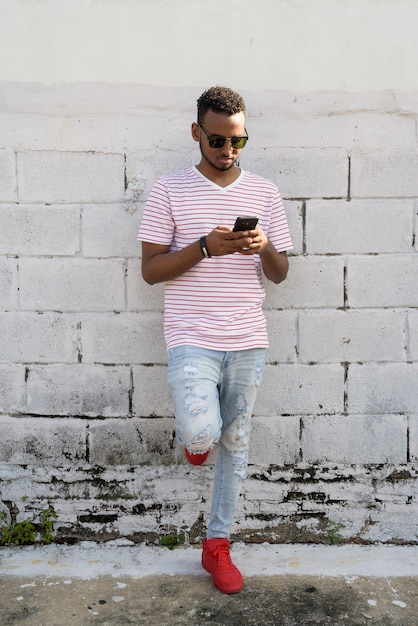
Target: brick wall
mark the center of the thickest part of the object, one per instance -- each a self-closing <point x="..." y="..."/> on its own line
<point x="85" y="416"/>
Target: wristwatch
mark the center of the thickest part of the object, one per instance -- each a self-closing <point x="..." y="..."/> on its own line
<point x="204" y="248"/>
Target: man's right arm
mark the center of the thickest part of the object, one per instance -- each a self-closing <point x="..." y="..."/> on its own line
<point x="160" y="265"/>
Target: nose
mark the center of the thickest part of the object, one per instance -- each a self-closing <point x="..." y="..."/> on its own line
<point x="227" y="147"/>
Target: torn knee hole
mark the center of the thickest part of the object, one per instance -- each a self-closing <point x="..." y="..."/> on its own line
<point x="201" y="442"/>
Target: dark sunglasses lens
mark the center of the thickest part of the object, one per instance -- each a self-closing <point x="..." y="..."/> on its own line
<point x="238" y="142"/>
<point x="216" y="142"/>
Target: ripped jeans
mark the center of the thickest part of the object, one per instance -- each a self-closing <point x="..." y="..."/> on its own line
<point x="214" y="393"/>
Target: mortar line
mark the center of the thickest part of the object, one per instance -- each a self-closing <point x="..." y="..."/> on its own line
<point x="17" y="178"/>
<point x="349" y="178"/>
<point x="408" y="441"/>
<point x="304" y="227"/>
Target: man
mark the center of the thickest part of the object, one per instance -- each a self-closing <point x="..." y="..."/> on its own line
<point x="214" y="326"/>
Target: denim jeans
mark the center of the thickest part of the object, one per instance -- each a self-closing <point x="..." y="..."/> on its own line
<point x="214" y="394"/>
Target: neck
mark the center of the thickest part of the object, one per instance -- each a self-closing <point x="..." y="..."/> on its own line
<point x="222" y="178"/>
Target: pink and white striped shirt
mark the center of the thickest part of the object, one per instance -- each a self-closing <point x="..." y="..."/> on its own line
<point x="217" y="304"/>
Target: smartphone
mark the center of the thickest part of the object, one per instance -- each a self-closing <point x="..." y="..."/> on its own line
<point x="249" y="222"/>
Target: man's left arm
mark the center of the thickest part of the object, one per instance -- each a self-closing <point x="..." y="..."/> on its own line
<point x="275" y="264"/>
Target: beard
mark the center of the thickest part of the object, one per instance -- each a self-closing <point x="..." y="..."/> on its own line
<point x="216" y="161"/>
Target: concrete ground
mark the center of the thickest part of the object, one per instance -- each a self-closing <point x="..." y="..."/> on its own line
<point x="288" y="585"/>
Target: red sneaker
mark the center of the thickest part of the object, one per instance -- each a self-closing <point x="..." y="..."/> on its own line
<point x="196" y="459"/>
<point x="217" y="561"/>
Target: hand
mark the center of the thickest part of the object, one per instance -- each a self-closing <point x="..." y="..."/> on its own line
<point x="247" y="242"/>
<point x="259" y="241"/>
<point x="222" y="240"/>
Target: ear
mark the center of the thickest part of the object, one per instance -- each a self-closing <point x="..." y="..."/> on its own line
<point x="195" y="131"/>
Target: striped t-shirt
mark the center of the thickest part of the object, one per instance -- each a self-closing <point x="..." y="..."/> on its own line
<point x="217" y="304"/>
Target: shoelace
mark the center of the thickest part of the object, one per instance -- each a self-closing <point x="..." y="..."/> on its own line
<point x="222" y="556"/>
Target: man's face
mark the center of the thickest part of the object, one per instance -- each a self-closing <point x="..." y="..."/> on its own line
<point x="224" y="158"/>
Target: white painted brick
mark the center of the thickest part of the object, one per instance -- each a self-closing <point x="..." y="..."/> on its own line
<point x="416" y="219"/>
<point x="274" y="441"/>
<point x="144" y="167"/>
<point x="151" y="394"/>
<point x="42" y="441"/>
<point x="109" y="231"/>
<point x="141" y="173"/>
<point x="396" y="492"/>
<point x="281" y="327"/>
<point x="109" y="131"/>
<point x="275" y="510"/>
<point x="294" y="214"/>
<point x="354" y="520"/>
<point x="92" y="390"/>
<point x="32" y="131"/>
<point x="24" y="230"/>
<point x="390" y="527"/>
<point x="354" y="439"/>
<point x="12" y="389"/>
<point x="359" y="226"/>
<point x="384" y="173"/>
<point x="141" y="296"/>
<point x="413" y="437"/>
<point x="350" y="129"/>
<point x="350" y="491"/>
<point x="114" y="442"/>
<point x="74" y="284"/>
<point x="8" y="187"/>
<point x="336" y="336"/>
<point x="128" y="525"/>
<point x="11" y="473"/>
<point x="311" y="282"/>
<point x="382" y="281"/>
<point x="125" y="338"/>
<point x="301" y="389"/>
<point x="413" y="334"/>
<point x="303" y="172"/>
<point x="178" y="489"/>
<point x="396" y="507"/>
<point x="38" y="338"/>
<point x="379" y="388"/>
<point x="70" y="177"/>
<point x="8" y="283"/>
<point x="264" y="491"/>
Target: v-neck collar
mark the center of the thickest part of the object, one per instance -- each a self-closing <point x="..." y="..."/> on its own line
<point x="219" y="187"/>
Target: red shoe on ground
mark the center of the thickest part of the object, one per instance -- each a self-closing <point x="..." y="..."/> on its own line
<point x="217" y="561"/>
<point x="196" y="459"/>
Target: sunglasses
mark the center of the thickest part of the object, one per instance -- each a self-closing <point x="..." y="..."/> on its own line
<point x="216" y="142"/>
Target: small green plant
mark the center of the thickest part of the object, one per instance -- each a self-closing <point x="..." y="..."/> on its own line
<point x="20" y="533"/>
<point x="173" y="540"/>
<point x="333" y="531"/>
<point x="46" y="525"/>
<point x="26" y="531"/>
